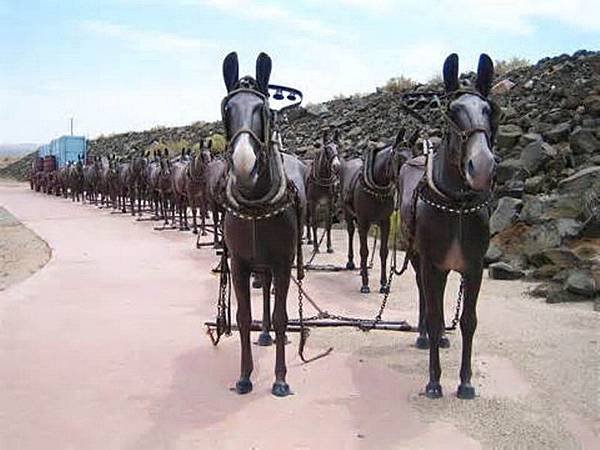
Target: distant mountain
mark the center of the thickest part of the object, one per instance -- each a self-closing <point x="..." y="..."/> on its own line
<point x="16" y="149"/>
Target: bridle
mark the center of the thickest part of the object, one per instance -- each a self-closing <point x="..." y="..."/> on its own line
<point x="248" y="85"/>
<point x="328" y="156"/>
<point x="464" y="134"/>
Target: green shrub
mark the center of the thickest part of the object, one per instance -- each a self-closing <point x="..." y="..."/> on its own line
<point x="219" y="143"/>
<point x="502" y="67"/>
<point x="399" y="84"/>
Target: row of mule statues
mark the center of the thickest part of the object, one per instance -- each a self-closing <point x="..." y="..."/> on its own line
<point x="260" y="197"/>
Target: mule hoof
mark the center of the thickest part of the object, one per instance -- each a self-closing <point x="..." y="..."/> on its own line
<point x="422" y="343"/>
<point x="195" y="232"/>
<point x="350" y="265"/>
<point x="465" y="391"/>
<point x="329" y="250"/>
<point x="265" y="340"/>
<point x="256" y="284"/>
<point x="433" y="390"/>
<point x="444" y="342"/>
<point x="384" y="289"/>
<point x="204" y="233"/>
<point x="243" y="386"/>
<point x="365" y="290"/>
<point x="281" y="389"/>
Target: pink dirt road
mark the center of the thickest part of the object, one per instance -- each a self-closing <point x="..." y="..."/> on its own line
<point x="105" y="348"/>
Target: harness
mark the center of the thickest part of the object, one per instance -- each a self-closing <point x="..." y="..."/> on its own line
<point x="315" y="177"/>
<point x="367" y="182"/>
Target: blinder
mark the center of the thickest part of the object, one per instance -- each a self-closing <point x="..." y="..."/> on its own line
<point x="265" y="117"/>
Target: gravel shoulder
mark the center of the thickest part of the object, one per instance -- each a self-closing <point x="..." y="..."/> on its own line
<point x="22" y="252"/>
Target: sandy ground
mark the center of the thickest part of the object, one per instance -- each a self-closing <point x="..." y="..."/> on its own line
<point x="22" y="252"/>
<point x="104" y="348"/>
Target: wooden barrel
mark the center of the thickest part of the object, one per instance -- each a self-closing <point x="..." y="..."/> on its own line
<point x="49" y="163"/>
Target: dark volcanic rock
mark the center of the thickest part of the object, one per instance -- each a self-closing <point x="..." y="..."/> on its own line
<point x="581" y="283"/>
<point x="505" y="214"/>
<point x="504" y="271"/>
<point x="583" y="141"/>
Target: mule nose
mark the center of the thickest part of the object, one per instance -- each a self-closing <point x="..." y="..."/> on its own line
<point x="480" y="172"/>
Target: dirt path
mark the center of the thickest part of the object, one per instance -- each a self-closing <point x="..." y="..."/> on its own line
<point x="104" y="348"/>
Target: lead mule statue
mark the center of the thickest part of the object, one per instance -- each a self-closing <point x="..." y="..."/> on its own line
<point x="264" y="202"/>
<point x="445" y="216"/>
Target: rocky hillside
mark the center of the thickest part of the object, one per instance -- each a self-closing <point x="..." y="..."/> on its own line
<point x="546" y="223"/>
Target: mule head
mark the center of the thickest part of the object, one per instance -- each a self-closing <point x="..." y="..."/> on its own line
<point x="472" y="123"/>
<point x="246" y="117"/>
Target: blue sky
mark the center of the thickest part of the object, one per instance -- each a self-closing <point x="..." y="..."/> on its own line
<point x="119" y="65"/>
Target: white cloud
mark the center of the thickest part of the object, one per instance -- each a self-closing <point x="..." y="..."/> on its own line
<point x="147" y="40"/>
<point x="270" y="12"/>
<point x="517" y="16"/>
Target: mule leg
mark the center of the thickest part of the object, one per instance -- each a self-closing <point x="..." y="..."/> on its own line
<point x="308" y="222"/>
<point x="434" y="283"/>
<point x="363" y="234"/>
<point x="280" y="320"/>
<point x="216" y="242"/>
<point x="313" y="223"/>
<point x="185" y="216"/>
<point x="328" y="223"/>
<point x="384" y="228"/>
<point x="350" y="228"/>
<point x="132" y="201"/>
<point x="202" y="210"/>
<point x="468" y="323"/>
<point x="194" y="223"/>
<point x="422" y="341"/>
<point x="265" y="338"/>
<point x="241" y="284"/>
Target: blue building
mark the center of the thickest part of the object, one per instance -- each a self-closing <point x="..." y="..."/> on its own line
<point x="65" y="148"/>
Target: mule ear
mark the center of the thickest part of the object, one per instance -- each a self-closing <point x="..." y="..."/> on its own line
<point x="485" y="74"/>
<point x="209" y="144"/>
<point x="263" y="72"/>
<point x="231" y="71"/>
<point x="451" y="72"/>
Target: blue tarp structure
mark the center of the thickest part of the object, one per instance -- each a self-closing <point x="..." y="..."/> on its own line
<point x="65" y="148"/>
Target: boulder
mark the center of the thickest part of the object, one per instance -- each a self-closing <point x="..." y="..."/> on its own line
<point x="533" y="185"/>
<point x="559" y="133"/>
<point x="493" y="254"/>
<point x="582" y="181"/>
<point x="505" y="214"/>
<point x="535" y="155"/>
<point x="541" y="237"/>
<point x="508" y="136"/>
<point x="509" y="169"/>
<point x="561" y="257"/>
<point x="581" y="282"/>
<point x="504" y="271"/>
<point x="583" y="141"/>
<point x="558" y="295"/>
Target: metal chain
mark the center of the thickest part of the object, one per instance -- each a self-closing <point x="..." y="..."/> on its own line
<point x="459" y="299"/>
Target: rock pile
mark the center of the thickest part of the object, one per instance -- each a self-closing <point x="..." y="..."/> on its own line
<point x="546" y="222"/>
